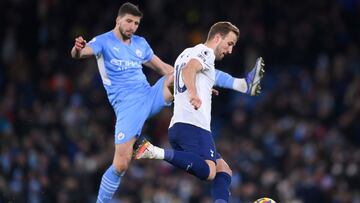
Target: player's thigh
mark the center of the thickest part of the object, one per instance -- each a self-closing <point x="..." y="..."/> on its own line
<point x="222" y="166"/>
<point x="123" y="154"/>
<point x="156" y="99"/>
<point x="130" y="120"/>
<point x="193" y="139"/>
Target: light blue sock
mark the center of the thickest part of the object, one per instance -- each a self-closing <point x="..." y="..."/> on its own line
<point x="223" y="79"/>
<point x="109" y="184"/>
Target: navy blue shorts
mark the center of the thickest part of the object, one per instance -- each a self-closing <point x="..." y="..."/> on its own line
<point x="190" y="138"/>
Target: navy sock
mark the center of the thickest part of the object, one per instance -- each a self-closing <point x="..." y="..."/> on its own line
<point x="188" y="161"/>
<point x="221" y="187"/>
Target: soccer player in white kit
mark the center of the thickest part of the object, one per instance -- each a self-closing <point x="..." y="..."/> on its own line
<point x="189" y="133"/>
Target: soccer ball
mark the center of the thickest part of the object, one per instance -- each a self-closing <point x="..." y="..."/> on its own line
<point x="264" y="200"/>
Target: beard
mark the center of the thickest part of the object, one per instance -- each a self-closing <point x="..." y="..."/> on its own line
<point x="124" y="35"/>
<point x="218" y="55"/>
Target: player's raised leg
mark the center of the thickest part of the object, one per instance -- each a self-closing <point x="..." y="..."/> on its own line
<point x="112" y="177"/>
<point x="188" y="161"/>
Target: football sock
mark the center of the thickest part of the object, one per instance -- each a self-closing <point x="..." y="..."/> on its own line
<point x="157" y="152"/>
<point x="221" y="187"/>
<point x="240" y="85"/>
<point x="223" y="79"/>
<point x="109" y="183"/>
<point x="188" y="161"/>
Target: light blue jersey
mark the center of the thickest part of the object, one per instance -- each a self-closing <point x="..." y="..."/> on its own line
<point x="120" y="65"/>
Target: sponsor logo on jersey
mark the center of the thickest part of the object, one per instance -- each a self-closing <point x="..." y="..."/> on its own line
<point x="125" y="64"/>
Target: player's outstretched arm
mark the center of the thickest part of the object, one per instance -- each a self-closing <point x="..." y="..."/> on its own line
<point x="80" y="50"/>
<point x="159" y="66"/>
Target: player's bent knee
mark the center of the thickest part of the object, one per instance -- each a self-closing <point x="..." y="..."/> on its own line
<point x="212" y="175"/>
<point x="212" y="172"/>
<point x="228" y="171"/>
<point x="121" y="165"/>
<point x="222" y="166"/>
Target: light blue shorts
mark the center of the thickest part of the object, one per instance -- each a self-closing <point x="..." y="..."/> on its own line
<point x="131" y="116"/>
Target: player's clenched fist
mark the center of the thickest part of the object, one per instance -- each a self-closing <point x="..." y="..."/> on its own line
<point x="195" y="101"/>
<point x="80" y="43"/>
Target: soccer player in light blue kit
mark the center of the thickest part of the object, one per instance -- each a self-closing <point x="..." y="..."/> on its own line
<point x="120" y="55"/>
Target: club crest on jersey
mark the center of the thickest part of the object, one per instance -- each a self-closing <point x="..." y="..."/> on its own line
<point x="120" y="136"/>
<point x="138" y="53"/>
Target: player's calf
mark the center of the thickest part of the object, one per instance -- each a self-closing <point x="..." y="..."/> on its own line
<point x="188" y="161"/>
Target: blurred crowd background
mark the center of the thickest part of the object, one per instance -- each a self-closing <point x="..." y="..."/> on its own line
<point x="298" y="142"/>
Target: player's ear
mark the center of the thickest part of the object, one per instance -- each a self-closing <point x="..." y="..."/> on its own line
<point x="118" y="19"/>
<point x="217" y="37"/>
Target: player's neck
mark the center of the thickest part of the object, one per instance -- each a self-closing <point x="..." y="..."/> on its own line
<point x="120" y="37"/>
<point x="210" y="45"/>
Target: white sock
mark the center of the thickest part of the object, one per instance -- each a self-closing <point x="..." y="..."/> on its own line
<point x="159" y="153"/>
<point x="240" y="85"/>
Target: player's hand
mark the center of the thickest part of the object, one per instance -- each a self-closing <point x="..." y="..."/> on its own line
<point x="80" y="43"/>
<point x="195" y="101"/>
<point x="215" y="92"/>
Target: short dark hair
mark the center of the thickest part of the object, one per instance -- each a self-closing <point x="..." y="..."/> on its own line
<point x="223" y="28"/>
<point x="129" y="8"/>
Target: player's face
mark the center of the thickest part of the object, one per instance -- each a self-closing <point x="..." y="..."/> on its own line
<point x="225" y="46"/>
<point x="127" y="24"/>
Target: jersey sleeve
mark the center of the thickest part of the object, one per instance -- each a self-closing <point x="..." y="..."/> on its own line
<point x="204" y="57"/>
<point x="148" y="52"/>
<point x="96" y="45"/>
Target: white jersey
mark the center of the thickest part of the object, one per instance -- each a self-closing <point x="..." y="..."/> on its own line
<point x="184" y="112"/>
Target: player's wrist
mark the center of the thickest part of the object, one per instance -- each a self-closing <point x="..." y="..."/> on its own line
<point x="193" y="94"/>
